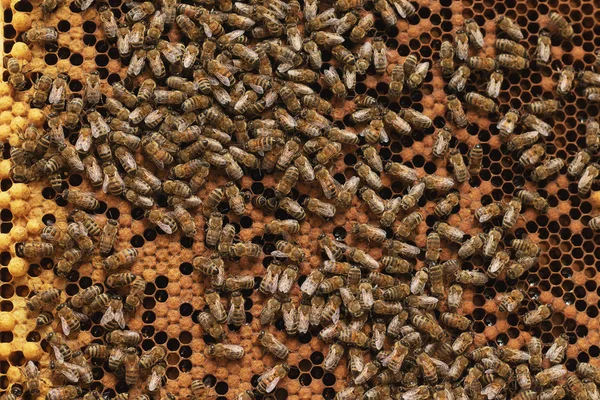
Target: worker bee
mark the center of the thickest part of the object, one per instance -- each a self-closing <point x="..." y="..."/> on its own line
<point x="512" y="211"/>
<point x="565" y="30"/>
<point x="510" y="46"/>
<point x="268" y="381"/>
<point x="332" y="79"/>
<point x="153" y="356"/>
<point x="556" y="352"/>
<point x="456" y="112"/>
<point x="413" y="196"/>
<point x="509" y="26"/>
<point x="41" y="35"/>
<point x="498" y="264"/>
<point x="113" y="316"/>
<point x="227" y="351"/>
<point x="461" y="43"/>
<point x="245" y="249"/>
<point x="506" y="125"/>
<point x="494" y="85"/>
<point x="543" y="107"/>
<point x="511" y="61"/>
<point x="120" y="280"/>
<point x="481" y="102"/>
<point x="533" y="155"/>
<point x="446" y="58"/>
<point x="475" y="35"/>
<point x="486" y="213"/>
<point x="550" y="167"/>
<point x="408" y="224"/>
<point x="518" y="142"/>
<point x="273" y="345"/>
<point x="442" y="142"/>
<point x="380" y="60"/>
<point x="588" y="177"/>
<point x="479" y="63"/>
<point x="536" y="316"/>
<point x="533" y="199"/>
<point x="69" y="321"/>
<point x="461" y="172"/>
<point x="415" y="79"/>
<point x="550" y="375"/>
<point x="565" y="81"/>
<point x="33" y="249"/>
<point x="472" y="245"/>
<point x="236" y="315"/>
<point x="67" y="392"/>
<point x="120" y="259"/>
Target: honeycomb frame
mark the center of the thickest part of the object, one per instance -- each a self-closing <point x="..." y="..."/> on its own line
<point x="173" y="296"/>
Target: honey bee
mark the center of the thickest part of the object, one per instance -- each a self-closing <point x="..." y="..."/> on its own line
<point x="543" y="107"/>
<point x="511" y="61"/>
<point x="456" y="112"/>
<point x="588" y="177"/>
<point x="533" y="199"/>
<point x="380" y="60"/>
<point x="69" y="321"/>
<point x="481" y="102"/>
<point x="415" y="79"/>
<point x="114" y="314"/>
<point x="533" y="155"/>
<point x="236" y="315"/>
<point x="120" y="259"/>
<point x="245" y="249"/>
<point x="509" y="26"/>
<point x="40" y="35"/>
<point x="564" y="28"/>
<point x="565" y="81"/>
<point x="536" y="316"/>
<point x="506" y="125"/>
<point x="498" y="264"/>
<point x="520" y="141"/>
<point x="461" y="173"/>
<point x="550" y="375"/>
<point x="479" y="63"/>
<point x="474" y="278"/>
<point x="120" y="280"/>
<point x="268" y="381"/>
<point x="471" y="246"/>
<point x="67" y="392"/>
<point x="550" y="167"/>
<point x="556" y="352"/>
<point x="408" y="224"/>
<point x="413" y="196"/>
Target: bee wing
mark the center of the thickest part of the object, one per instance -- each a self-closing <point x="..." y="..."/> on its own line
<point x="284" y="67"/>
<point x="86" y="4"/>
<point x="336" y="316"/>
<point x="55" y="94"/>
<point x="493" y="89"/>
<point x="230" y="313"/>
<point x="108" y="316"/>
<point x="543" y="52"/>
<point x="68" y="371"/>
<point x="154" y="381"/>
<point x="273" y="384"/>
<point x="165" y="227"/>
<point x="120" y="318"/>
<point x="65" y="326"/>
<point x="367" y="297"/>
<point x="105" y="183"/>
<point x="285" y="283"/>
<point x="280" y="254"/>
<point x="57" y="354"/>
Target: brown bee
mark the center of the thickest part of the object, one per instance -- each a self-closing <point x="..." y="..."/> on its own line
<point x="556" y="352"/>
<point x="210" y="325"/>
<point x="268" y="381"/>
<point x="552" y="374"/>
<point x="550" y="167"/>
<point x="566" y="81"/>
<point x="461" y="43"/>
<point x="482" y="103"/>
<point x="236" y="315"/>
<point x="536" y="316"/>
<point x="479" y="63"/>
<point x="509" y="26"/>
<point x="40" y="35"/>
<point x="565" y="30"/>
<point x="226" y="351"/>
<point x="510" y="61"/>
<point x="456" y="112"/>
<point x="506" y="125"/>
<point x="533" y="199"/>
<point x="416" y="78"/>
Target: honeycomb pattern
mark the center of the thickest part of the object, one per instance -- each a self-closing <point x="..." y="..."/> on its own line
<point x="566" y="277"/>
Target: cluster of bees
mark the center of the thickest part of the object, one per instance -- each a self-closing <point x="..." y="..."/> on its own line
<point x="236" y="94"/>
